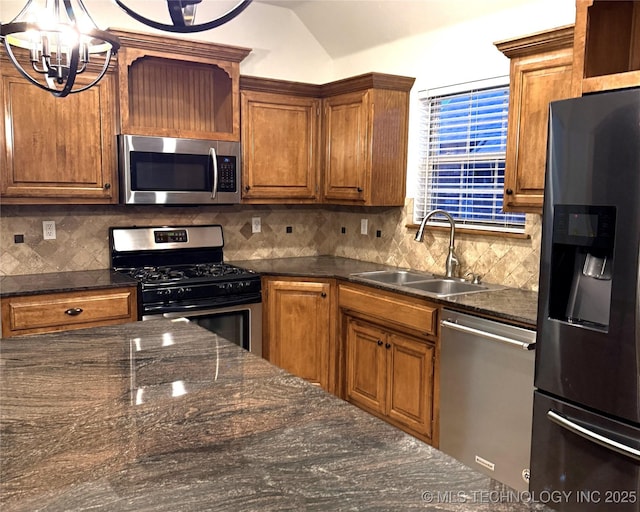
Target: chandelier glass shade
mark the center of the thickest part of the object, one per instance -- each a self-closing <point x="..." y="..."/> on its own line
<point x="51" y="42"/>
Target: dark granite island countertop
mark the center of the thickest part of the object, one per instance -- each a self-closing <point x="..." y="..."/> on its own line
<point x="511" y="305"/>
<point x="165" y="416"/>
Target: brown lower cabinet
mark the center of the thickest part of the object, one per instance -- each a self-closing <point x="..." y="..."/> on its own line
<point x="50" y="312"/>
<point x="391" y="375"/>
<point x="298" y="327"/>
<point x="390" y="344"/>
<point x="373" y="348"/>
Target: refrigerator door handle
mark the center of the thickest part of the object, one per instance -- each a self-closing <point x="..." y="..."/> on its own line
<point x="590" y="435"/>
<point x="488" y="335"/>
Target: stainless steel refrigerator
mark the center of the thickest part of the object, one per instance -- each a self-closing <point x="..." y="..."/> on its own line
<point x="586" y="419"/>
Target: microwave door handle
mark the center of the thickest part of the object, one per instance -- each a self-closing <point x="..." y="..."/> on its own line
<point x="214" y="162"/>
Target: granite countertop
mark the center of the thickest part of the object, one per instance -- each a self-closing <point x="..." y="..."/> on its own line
<point x="508" y="304"/>
<point x="165" y="416"/>
<point x="33" y="284"/>
<point x="511" y="305"/>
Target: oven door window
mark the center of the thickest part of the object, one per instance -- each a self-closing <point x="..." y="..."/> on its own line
<point x="170" y="172"/>
<point x="234" y="326"/>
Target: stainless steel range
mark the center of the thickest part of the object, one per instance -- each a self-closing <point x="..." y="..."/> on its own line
<point x="182" y="274"/>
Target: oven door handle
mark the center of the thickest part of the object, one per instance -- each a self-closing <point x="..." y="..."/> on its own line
<point x="214" y="166"/>
<point x="591" y="435"/>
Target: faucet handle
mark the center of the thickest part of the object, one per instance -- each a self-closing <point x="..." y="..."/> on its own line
<point x="473" y="278"/>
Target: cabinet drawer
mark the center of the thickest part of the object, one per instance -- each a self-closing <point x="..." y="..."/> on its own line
<point x="397" y="309"/>
<point x="61" y="311"/>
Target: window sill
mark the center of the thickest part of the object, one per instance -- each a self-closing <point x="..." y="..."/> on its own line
<point x="476" y="232"/>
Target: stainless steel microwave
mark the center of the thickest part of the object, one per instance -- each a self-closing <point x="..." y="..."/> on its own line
<point x="163" y="170"/>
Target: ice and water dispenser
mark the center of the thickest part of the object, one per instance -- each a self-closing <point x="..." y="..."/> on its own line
<point x="582" y="261"/>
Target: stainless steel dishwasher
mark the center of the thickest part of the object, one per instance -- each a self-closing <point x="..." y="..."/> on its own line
<point x="486" y="396"/>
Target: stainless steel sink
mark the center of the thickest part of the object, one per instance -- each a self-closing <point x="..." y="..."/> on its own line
<point x="424" y="283"/>
<point x="446" y="287"/>
<point x="395" y="277"/>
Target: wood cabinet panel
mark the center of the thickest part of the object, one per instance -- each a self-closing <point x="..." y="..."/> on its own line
<point x="64" y="311"/>
<point x="298" y="328"/>
<point x="410" y="383"/>
<point x="366" y="366"/>
<point x="346" y="120"/>
<point x="397" y="309"/>
<point x="173" y="87"/>
<point x="606" y="46"/>
<point x="279" y="147"/>
<point x="57" y="150"/>
<point x="361" y="147"/>
<point x="390" y="360"/>
<point x="541" y="70"/>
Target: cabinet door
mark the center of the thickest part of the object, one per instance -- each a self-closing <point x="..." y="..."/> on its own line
<point x="279" y="147"/>
<point x="366" y="365"/>
<point x="298" y="315"/>
<point x="410" y="383"/>
<point x="346" y="118"/>
<point x="535" y="81"/>
<point x="57" y="150"/>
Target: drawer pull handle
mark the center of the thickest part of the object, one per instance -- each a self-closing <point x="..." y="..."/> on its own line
<point x="73" y="311"/>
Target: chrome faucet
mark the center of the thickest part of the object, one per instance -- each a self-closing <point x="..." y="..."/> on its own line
<point x="452" y="259"/>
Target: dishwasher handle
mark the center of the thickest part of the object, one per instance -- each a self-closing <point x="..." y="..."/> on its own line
<point x="490" y="336"/>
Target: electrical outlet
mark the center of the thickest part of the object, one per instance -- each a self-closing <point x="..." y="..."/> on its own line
<point x="256" y="225"/>
<point x="49" y="229"/>
<point x="364" y="226"/>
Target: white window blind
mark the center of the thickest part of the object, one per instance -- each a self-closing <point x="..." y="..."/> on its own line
<point x="464" y="137"/>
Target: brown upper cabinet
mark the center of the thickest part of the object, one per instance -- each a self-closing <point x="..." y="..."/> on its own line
<point x="280" y="141"/>
<point x="365" y="133"/>
<point x="57" y="150"/>
<point x="606" y="45"/>
<point x="173" y="87"/>
<point x="340" y="143"/>
<point x="540" y="72"/>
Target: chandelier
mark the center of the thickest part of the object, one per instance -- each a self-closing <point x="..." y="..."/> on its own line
<point x="55" y="42"/>
<point x="51" y="42"/>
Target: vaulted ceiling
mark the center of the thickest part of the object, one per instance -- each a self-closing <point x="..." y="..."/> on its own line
<point x="344" y="27"/>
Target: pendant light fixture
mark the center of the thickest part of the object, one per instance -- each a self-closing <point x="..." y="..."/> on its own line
<point x="182" y="14"/>
<point x="51" y="42"/>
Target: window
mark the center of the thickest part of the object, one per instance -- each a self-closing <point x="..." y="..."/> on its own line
<point x="464" y="142"/>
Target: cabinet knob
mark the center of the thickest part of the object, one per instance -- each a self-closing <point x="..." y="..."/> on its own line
<point x="323" y="295"/>
<point x="73" y="311"/>
<point x="388" y="345"/>
<point x="508" y="192"/>
<point x="107" y="186"/>
<point x="359" y="189"/>
<point x="247" y="188"/>
<point x="379" y="343"/>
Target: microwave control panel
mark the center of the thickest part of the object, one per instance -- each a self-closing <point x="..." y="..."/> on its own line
<point x="227" y="178"/>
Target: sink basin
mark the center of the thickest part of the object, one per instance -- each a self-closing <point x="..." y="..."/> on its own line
<point x="427" y="284"/>
<point x="446" y="287"/>
<point x="395" y="277"/>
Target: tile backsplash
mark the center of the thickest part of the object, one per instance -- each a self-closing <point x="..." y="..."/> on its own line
<point x="82" y="238"/>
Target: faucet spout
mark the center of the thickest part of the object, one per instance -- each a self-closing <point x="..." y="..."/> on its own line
<point x="452" y="260"/>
